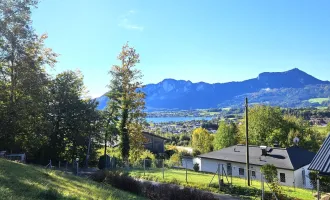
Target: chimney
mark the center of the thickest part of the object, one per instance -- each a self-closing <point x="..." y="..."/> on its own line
<point x="263" y="150"/>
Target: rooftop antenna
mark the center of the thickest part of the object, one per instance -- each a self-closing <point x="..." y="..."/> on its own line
<point x="296" y="141"/>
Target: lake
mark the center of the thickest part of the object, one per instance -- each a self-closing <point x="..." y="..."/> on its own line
<point x="175" y="119"/>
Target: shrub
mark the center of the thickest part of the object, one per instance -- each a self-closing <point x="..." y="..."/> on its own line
<point x="196" y="152"/>
<point x="196" y="167"/>
<point x="173" y="192"/>
<point x="145" y="155"/>
<point x="170" y="152"/>
<point x="270" y="173"/>
<point x="101" y="164"/>
<point x="99" y="176"/>
<point x="184" y="154"/>
<point x="324" y="181"/>
<point x="174" y="160"/>
<point x="124" y="182"/>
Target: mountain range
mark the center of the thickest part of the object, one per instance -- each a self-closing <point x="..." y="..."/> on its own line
<point x="288" y="89"/>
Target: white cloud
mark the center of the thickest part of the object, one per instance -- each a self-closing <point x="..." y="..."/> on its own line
<point x="125" y="21"/>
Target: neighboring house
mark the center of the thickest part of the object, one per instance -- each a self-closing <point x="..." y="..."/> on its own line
<point x="291" y="163"/>
<point x="154" y="143"/>
<point x="321" y="161"/>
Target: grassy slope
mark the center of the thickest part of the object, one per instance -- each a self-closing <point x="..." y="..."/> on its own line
<point x="26" y="182"/>
<point x="203" y="179"/>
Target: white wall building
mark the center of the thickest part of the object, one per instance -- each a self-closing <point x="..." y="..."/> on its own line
<point x="291" y="163"/>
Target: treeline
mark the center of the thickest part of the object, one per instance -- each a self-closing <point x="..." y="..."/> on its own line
<point x="45" y="117"/>
<point x="267" y="126"/>
<point x="51" y="117"/>
<point x="307" y="113"/>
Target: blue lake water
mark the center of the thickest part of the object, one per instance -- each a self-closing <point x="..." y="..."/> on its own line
<point x="175" y="119"/>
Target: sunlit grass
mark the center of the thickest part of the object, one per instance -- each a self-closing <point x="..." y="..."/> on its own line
<point x="19" y="181"/>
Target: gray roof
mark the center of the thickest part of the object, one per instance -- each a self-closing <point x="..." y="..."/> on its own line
<point x="151" y="134"/>
<point x="321" y="161"/>
<point x="291" y="158"/>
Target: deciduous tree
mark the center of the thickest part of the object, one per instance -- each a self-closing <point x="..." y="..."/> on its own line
<point x="202" y="140"/>
<point x="125" y="91"/>
<point x="226" y="135"/>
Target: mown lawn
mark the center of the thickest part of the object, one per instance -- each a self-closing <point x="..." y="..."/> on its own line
<point x="202" y="180"/>
<point x="26" y="182"/>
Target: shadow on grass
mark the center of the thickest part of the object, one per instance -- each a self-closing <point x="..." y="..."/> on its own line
<point x="18" y="189"/>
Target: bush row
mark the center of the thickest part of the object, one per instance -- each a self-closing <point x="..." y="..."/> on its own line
<point x="151" y="191"/>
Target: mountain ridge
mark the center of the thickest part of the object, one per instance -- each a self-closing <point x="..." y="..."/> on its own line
<point x="182" y="94"/>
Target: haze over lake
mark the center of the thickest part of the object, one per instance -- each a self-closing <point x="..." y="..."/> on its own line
<point x="175" y="119"/>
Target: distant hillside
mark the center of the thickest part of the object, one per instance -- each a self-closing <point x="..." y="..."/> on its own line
<point x="179" y="94"/>
<point x="286" y="97"/>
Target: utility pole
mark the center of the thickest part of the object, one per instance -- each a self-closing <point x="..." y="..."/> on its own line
<point x="247" y="140"/>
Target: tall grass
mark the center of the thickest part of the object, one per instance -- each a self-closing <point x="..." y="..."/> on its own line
<point x="25" y="182"/>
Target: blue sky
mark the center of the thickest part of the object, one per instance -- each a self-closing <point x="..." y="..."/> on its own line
<point x="210" y="41"/>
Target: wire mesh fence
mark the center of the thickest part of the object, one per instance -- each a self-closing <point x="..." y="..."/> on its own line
<point x="187" y="171"/>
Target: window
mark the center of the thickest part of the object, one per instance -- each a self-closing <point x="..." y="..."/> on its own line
<point x="253" y="174"/>
<point x="282" y="177"/>
<point x="241" y="171"/>
<point x="229" y="170"/>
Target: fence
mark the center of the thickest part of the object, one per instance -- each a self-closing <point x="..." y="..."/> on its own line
<point x="220" y="176"/>
<point x="65" y="166"/>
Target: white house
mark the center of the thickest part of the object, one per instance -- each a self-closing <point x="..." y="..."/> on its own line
<point x="292" y="163"/>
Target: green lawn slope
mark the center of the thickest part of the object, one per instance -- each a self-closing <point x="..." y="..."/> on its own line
<point x="26" y="182"/>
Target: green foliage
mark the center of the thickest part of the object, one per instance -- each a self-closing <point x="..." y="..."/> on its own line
<point x="226" y="136"/>
<point x="184" y="153"/>
<point x="202" y="140"/>
<point x="270" y="173"/>
<point x="45" y="117"/>
<point x="102" y="161"/>
<point x="196" y="153"/>
<point x="126" y="95"/>
<point x="267" y="125"/>
<point x="175" y="160"/>
<point x="124" y="182"/>
<point x="324" y="181"/>
<point x="147" y="155"/>
<point x="181" y="139"/>
<point x="149" y="158"/>
<point x="196" y="167"/>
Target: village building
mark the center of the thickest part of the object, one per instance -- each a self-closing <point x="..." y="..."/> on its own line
<point x="155" y="143"/>
<point x="292" y="163"/>
<point x="321" y="162"/>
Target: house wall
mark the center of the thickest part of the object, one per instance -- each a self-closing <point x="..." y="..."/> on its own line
<point x="298" y="174"/>
<point x="210" y="165"/>
<point x="189" y="162"/>
<point x="155" y="144"/>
